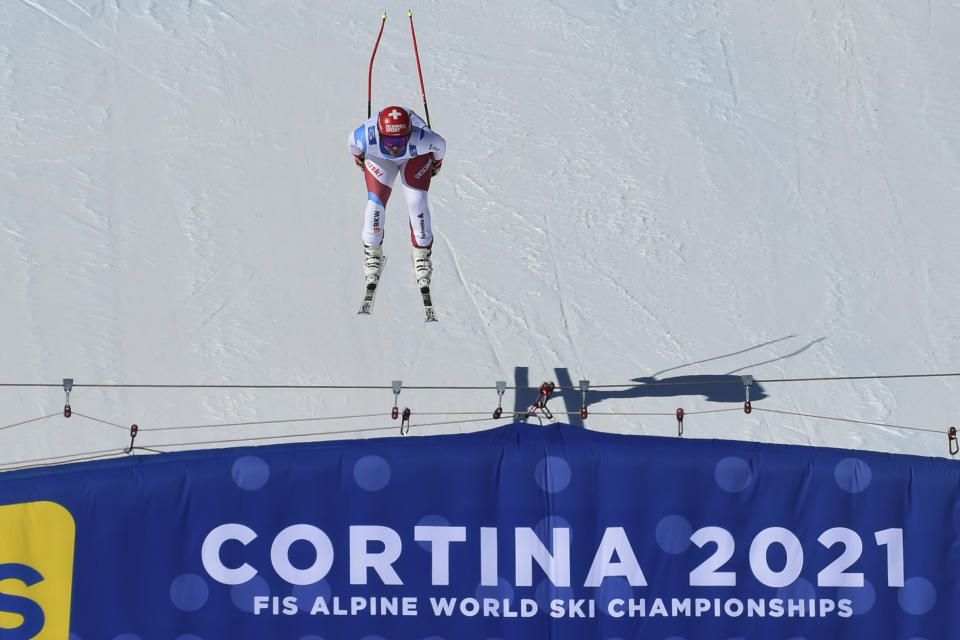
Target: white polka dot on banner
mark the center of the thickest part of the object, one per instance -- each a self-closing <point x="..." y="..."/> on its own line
<point x="250" y="473"/>
<point x="862" y="598"/>
<point x="547" y="591"/>
<point x="544" y="529"/>
<point x="307" y="594"/>
<point x="189" y="592"/>
<point x="503" y="590"/>
<point x="733" y="474"/>
<point x="853" y="475"/>
<point x="74" y="636"/>
<point x="431" y="520"/>
<point x="372" y="473"/>
<point x="553" y="474"/>
<point x="800" y="589"/>
<point x="612" y="589"/>
<point x="673" y="534"/>
<point x="917" y="596"/>
<point x="242" y="595"/>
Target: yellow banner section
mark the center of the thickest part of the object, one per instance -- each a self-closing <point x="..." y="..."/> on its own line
<point x="36" y="569"/>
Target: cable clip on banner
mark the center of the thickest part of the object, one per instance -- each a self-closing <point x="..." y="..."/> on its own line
<point x="134" y="430"/>
<point x="546" y="390"/>
<point x="679" y="423"/>
<point x="67" y="387"/>
<point x="405" y="423"/>
<point x="952" y="438"/>
<point x="501" y="389"/>
<point x="747" y="383"/>
<point x="540" y="406"/>
<point x="397" y="386"/>
<point x="584" y="388"/>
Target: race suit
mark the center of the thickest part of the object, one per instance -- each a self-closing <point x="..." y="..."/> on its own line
<point x="424" y="149"/>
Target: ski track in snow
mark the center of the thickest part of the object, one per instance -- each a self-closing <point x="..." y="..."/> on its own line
<point x="689" y="189"/>
<point x="495" y="352"/>
<point x="81" y="34"/>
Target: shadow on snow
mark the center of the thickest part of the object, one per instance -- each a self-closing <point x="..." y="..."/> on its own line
<point x="723" y="388"/>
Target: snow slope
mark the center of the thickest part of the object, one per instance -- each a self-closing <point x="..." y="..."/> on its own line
<point x="634" y="193"/>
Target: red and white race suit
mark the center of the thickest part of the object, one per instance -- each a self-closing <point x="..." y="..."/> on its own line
<point x="414" y="165"/>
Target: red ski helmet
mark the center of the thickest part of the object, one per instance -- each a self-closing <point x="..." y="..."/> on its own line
<point x="394" y="122"/>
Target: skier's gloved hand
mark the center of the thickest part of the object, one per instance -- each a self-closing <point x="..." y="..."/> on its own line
<point x="435" y="169"/>
<point x="358" y="160"/>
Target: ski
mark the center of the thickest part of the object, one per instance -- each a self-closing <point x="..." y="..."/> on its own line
<point x="366" y="307"/>
<point x="431" y="314"/>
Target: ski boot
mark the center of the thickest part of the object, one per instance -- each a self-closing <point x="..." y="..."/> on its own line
<point x="422" y="266"/>
<point x="372" y="263"/>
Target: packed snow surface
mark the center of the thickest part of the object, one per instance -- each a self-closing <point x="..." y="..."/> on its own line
<point x="664" y="196"/>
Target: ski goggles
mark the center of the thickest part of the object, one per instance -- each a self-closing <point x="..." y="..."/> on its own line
<point x="395" y="142"/>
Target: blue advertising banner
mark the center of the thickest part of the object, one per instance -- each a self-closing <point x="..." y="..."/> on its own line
<point x="520" y="532"/>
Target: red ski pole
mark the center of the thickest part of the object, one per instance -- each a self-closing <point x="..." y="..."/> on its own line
<point x="370" y="74"/>
<point x="423" y="91"/>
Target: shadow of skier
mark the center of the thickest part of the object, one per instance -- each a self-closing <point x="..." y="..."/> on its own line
<point x="727" y="388"/>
